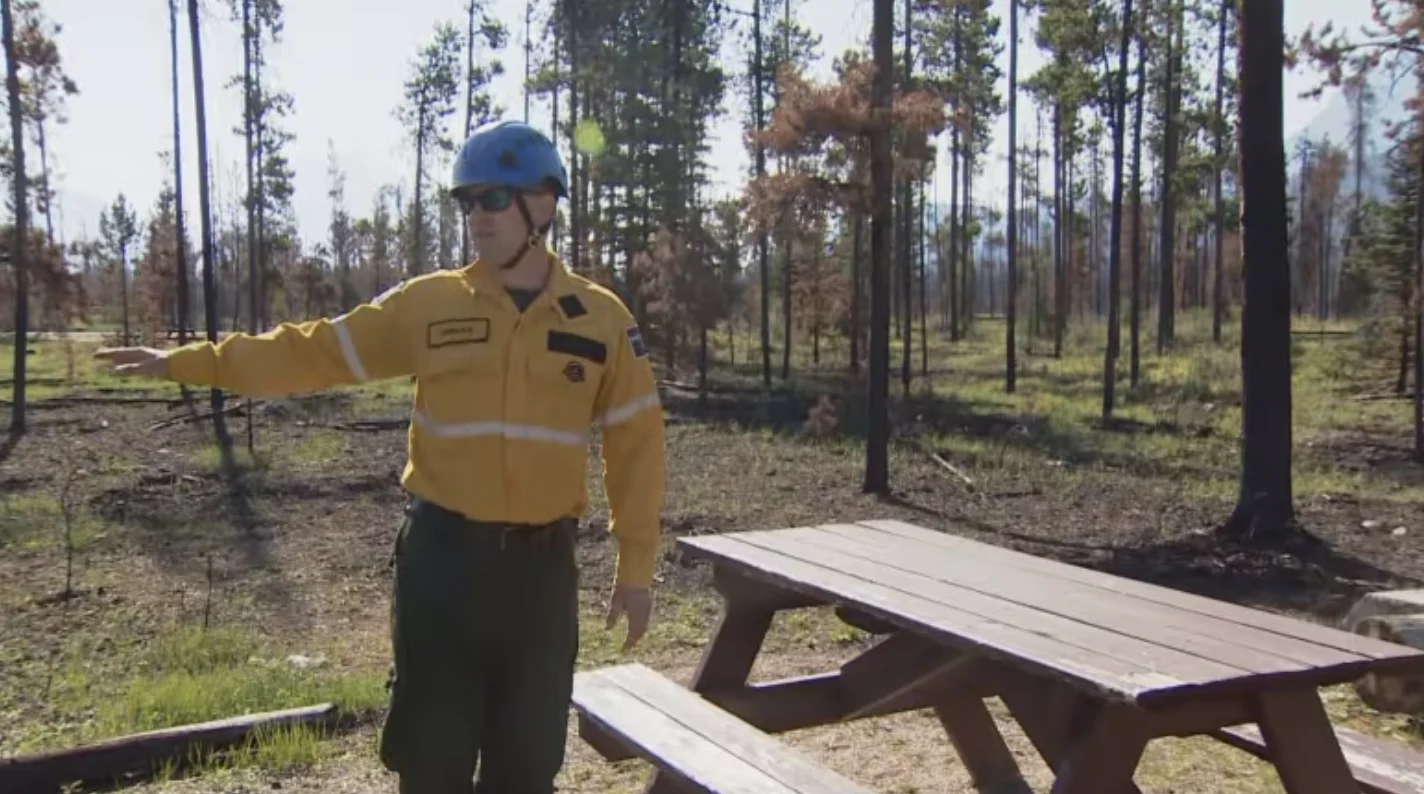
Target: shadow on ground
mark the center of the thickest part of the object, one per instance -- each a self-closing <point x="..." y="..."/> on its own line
<point x="786" y="409"/>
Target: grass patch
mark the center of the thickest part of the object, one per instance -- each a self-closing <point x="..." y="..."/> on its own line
<point x="191" y="676"/>
<point x="60" y="367"/>
<point x="318" y="448"/>
<point x="33" y="521"/>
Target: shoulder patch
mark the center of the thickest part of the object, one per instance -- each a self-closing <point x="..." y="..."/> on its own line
<point x="571" y="306"/>
<point x="635" y="338"/>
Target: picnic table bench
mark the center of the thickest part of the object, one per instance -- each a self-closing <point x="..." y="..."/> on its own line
<point x="1092" y="667"/>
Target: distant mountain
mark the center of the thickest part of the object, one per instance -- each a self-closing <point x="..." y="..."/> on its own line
<point x="1333" y="122"/>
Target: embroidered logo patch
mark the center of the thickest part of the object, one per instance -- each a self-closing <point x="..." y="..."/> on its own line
<point x="635" y="338"/>
<point x="574" y="372"/>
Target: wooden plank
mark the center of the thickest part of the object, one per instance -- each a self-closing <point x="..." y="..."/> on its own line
<point x="1110" y="677"/>
<point x="1380" y="766"/>
<point x="667" y="743"/>
<point x="1180" y="665"/>
<point x="1058" y="597"/>
<point x="1245" y="616"/>
<point x="778" y="761"/>
<point x="139" y="754"/>
<point x="1146" y="616"/>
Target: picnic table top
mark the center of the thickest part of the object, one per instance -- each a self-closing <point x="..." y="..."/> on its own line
<point x="1124" y="639"/>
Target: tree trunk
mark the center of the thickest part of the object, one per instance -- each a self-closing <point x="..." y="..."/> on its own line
<point x="1166" y="301"/>
<point x="1119" y="124"/>
<point x="44" y="180"/>
<point x="1060" y="236"/>
<point x="470" y="104"/>
<point x="1134" y="367"/>
<point x="180" y="244"/>
<point x="1011" y="224"/>
<point x="763" y="249"/>
<point x="786" y="284"/>
<point x="1419" y="307"/>
<point x="210" y="289"/>
<point x="1264" y="508"/>
<point x="877" y="440"/>
<point x="855" y="290"/>
<point x="924" y="333"/>
<point x="249" y="110"/>
<point x="1218" y="303"/>
<point x="955" y="229"/>
<point x="20" y="233"/>
<point x="966" y="260"/>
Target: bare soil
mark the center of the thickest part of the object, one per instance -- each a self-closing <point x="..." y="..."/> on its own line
<point x="294" y="542"/>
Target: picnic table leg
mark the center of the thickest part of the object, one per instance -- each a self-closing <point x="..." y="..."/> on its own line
<point x="1302" y="743"/>
<point x="1102" y="758"/>
<point x="747" y="611"/>
<point x="980" y="746"/>
<point x="1062" y="724"/>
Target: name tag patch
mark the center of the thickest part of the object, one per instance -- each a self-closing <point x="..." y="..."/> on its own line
<point x="464" y="331"/>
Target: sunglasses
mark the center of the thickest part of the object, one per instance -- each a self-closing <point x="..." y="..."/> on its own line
<point x="495" y="199"/>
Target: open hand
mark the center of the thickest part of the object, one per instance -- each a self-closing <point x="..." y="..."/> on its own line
<point x="637" y="604"/>
<point x="144" y="362"/>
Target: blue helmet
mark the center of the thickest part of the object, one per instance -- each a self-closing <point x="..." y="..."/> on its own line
<point x="511" y="154"/>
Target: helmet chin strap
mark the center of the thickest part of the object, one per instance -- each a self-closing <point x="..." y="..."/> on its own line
<point x="536" y="234"/>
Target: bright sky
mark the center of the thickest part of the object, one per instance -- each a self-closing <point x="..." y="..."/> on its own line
<point x="344" y="63"/>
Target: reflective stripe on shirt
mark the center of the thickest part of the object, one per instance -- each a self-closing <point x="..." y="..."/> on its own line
<point x="473" y="429"/>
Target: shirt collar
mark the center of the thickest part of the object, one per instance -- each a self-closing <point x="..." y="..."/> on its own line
<point x="560" y="283"/>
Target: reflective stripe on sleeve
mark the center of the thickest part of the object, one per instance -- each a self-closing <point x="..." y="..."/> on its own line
<point x="348" y="349"/>
<point x="628" y="410"/>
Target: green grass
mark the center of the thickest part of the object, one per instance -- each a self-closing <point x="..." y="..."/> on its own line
<point x="57" y="368"/>
<point x="32" y="521"/>
<point x="191" y="676"/>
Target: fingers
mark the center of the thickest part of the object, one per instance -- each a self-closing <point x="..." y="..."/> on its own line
<point x="615" y="610"/>
<point x="637" y="627"/>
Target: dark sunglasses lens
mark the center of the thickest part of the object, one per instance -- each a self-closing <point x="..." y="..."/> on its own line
<point x="493" y="200"/>
<point x="496" y="200"/>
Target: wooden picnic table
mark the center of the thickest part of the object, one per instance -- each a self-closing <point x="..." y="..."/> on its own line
<point x="1092" y="666"/>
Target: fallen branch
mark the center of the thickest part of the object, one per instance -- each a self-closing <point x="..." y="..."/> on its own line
<point x="372" y="425"/>
<point x="949" y="467"/>
<point x="140" y="754"/>
<point x="230" y="410"/>
<point x="61" y="402"/>
<point x="1389" y="396"/>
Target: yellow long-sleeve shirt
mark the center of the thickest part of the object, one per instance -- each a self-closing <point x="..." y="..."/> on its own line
<point x="504" y="401"/>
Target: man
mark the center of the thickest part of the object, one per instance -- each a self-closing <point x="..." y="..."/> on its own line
<point x="515" y="361"/>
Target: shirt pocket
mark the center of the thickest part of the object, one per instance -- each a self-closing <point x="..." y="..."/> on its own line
<point x="564" y="377"/>
<point x="461" y="383"/>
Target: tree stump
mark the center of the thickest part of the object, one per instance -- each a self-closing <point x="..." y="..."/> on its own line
<point x="1399" y="694"/>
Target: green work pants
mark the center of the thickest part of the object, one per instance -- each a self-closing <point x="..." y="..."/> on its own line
<point x="484" y="624"/>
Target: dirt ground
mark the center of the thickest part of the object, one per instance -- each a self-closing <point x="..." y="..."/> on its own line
<point x="293" y="543"/>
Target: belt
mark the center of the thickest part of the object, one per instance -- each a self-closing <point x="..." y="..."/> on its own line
<point x="508" y="533"/>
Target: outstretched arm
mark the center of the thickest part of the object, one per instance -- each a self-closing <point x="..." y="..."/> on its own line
<point x="367" y="343"/>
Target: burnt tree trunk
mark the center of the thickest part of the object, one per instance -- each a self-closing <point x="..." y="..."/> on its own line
<point x="1264" y="509"/>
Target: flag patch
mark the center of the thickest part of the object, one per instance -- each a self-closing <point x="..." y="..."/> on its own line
<point x="635" y="338"/>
